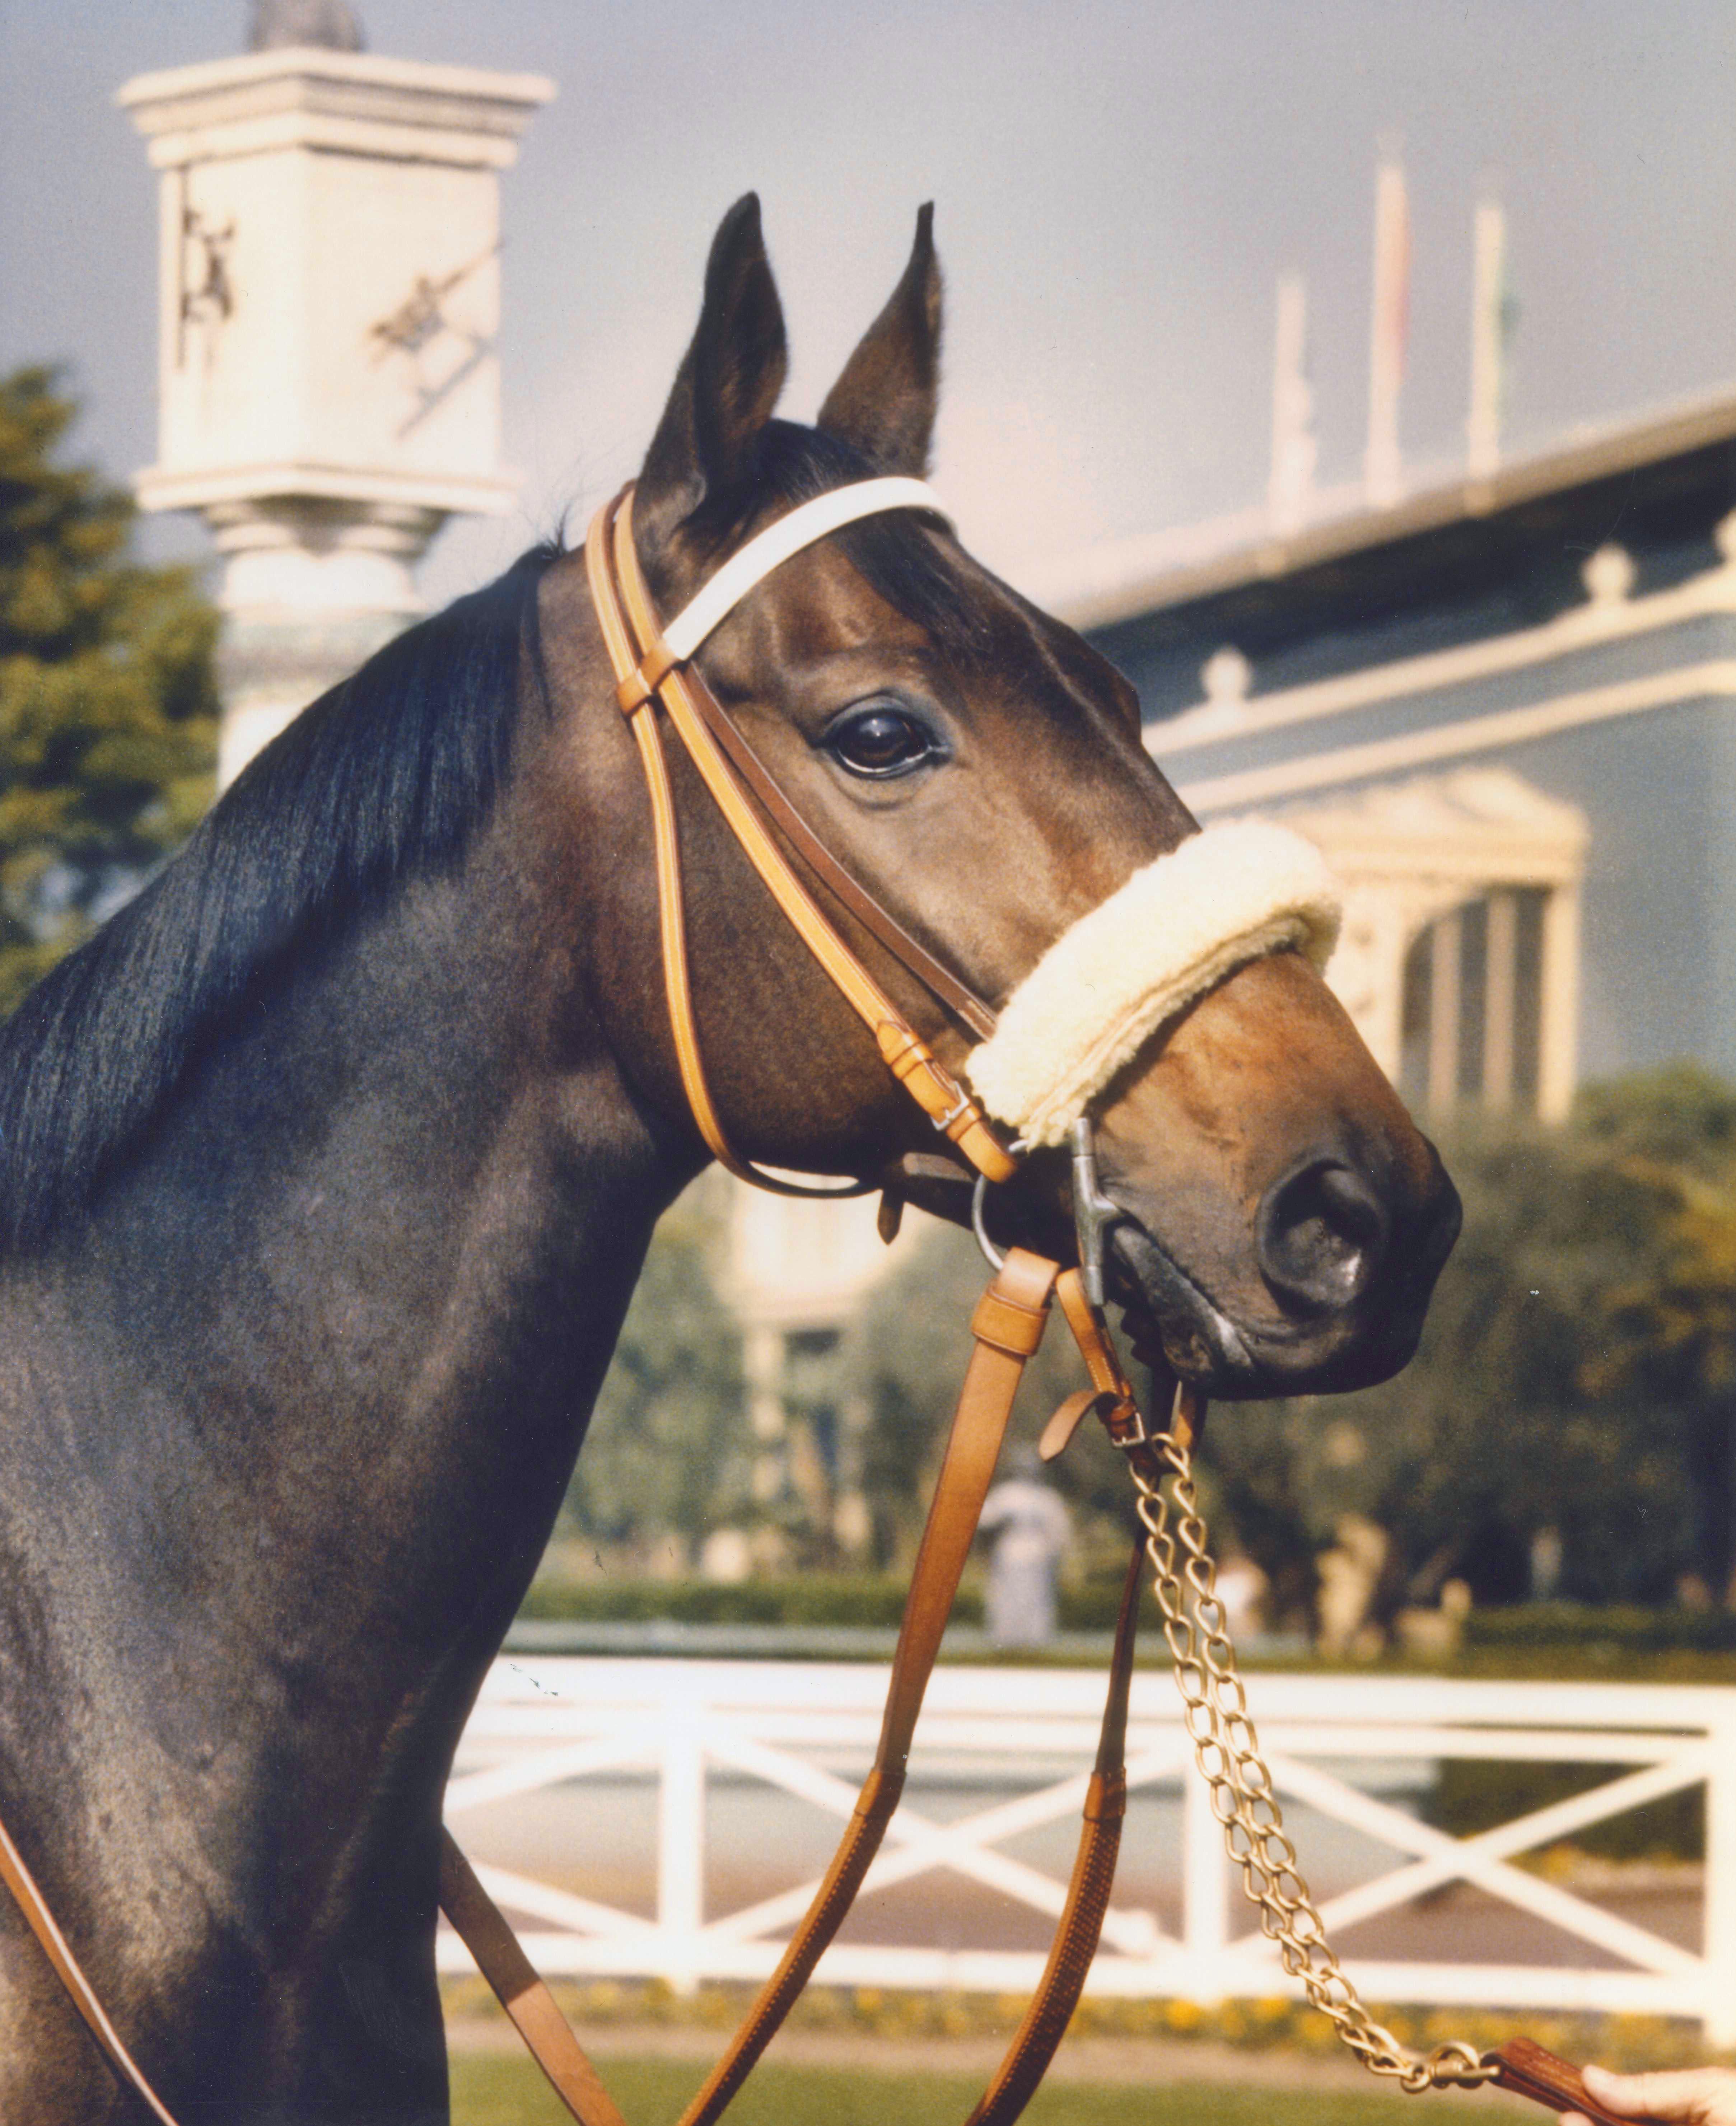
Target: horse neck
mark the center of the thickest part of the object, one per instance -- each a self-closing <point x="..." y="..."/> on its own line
<point x="322" y="1355"/>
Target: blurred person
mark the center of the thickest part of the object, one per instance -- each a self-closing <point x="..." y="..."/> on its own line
<point x="1032" y="1526"/>
<point x="1242" y="1589"/>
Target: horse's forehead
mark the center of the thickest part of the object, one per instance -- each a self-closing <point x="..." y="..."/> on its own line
<point x="820" y="604"/>
<point x="819" y="601"/>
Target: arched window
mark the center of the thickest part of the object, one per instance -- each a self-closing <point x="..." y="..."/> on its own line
<point x="1473" y="1005"/>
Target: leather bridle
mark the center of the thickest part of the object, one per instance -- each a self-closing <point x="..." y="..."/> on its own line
<point x="651" y="665"/>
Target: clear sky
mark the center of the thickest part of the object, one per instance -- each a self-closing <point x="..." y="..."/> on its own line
<point x="1118" y="186"/>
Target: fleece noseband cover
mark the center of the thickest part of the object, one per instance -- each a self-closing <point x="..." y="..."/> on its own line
<point x="1230" y="894"/>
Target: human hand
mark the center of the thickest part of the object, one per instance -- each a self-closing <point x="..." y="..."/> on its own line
<point x="1696" y="2096"/>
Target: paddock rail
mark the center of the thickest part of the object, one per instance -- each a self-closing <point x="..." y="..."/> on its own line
<point x="705" y="1741"/>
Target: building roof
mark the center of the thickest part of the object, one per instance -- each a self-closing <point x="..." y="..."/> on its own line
<point x="1656" y="481"/>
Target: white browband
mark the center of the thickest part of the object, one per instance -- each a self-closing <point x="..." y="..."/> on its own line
<point x="809" y="521"/>
<point x="1226" y="896"/>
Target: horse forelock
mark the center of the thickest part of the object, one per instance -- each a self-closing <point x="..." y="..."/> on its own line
<point x="918" y="574"/>
<point x="386" y="776"/>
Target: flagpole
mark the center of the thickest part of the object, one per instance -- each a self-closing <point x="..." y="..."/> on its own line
<point x="1382" y="467"/>
<point x="1488" y="337"/>
<point x="1294" y="450"/>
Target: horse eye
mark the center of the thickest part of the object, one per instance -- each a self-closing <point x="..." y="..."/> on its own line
<point x="882" y="741"/>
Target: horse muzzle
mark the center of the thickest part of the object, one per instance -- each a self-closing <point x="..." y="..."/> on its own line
<point x="1325" y="1290"/>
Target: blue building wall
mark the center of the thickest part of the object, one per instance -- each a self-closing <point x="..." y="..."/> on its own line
<point x="1658" y="787"/>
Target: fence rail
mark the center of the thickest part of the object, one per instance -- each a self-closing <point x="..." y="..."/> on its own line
<point x="578" y="1734"/>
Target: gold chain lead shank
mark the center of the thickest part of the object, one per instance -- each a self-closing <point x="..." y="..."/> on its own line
<point x="1226" y="1750"/>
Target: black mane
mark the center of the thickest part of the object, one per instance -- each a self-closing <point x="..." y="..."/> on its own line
<point x="387" y="776"/>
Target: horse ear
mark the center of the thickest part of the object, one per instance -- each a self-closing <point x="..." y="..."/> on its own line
<point x="884" y="402"/>
<point x="702" y="454"/>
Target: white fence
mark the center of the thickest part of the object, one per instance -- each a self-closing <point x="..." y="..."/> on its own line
<point x="691" y="1750"/>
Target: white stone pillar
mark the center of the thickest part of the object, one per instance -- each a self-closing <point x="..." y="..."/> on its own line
<point x="329" y="303"/>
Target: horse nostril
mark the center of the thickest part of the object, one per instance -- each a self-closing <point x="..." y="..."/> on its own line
<point x="1322" y="1236"/>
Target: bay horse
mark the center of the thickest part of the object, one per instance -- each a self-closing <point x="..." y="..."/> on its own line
<point x="327" y="1168"/>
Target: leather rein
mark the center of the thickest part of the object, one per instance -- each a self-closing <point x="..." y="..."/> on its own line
<point x="653" y="666"/>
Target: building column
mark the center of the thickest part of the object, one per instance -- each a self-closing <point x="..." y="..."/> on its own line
<point x="761" y="1362"/>
<point x="1559" y="1034"/>
<point x="312" y="588"/>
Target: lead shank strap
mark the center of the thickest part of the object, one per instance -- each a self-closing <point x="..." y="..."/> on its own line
<point x="1005" y="1335"/>
<point x="1529" y="2070"/>
<point x="509" y="1971"/>
<point x="1045" y="2020"/>
<point x="55" y="1947"/>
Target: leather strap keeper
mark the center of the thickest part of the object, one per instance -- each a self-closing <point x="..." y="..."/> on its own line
<point x="1106" y="1800"/>
<point x="984" y="1150"/>
<point x="1007" y="1326"/>
<point x="646" y="677"/>
<point x="881" y="1791"/>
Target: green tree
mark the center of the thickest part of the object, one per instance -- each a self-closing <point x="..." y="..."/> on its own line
<point x="108" y="706"/>
<point x="1577" y="1372"/>
<point x="667" y="1451"/>
<point x="1672" y="1323"/>
<point x="1508" y="1421"/>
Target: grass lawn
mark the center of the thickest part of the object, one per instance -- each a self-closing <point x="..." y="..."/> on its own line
<point x="503" y="2092"/>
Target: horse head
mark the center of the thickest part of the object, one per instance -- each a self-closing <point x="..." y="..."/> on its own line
<point x="1277" y="1221"/>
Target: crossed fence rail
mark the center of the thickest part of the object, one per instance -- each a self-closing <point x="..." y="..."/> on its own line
<point x="688" y="1729"/>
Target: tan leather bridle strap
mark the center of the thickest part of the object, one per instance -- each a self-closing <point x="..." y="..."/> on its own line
<point x="877" y="920"/>
<point x="670" y="917"/>
<point x="19" y="1880"/>
<point x="628" y="616"/>
<point x="520" y="1991"/>
<point x="671" y="909"/>
<point x="1007" y="1327"/>
<point x="1045" y="2021"/>
<point x="864" y="994"/>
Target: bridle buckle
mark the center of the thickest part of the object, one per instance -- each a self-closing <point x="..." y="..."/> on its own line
<point x="963" y="1105"/>
<point x="1126" y="1426"/>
